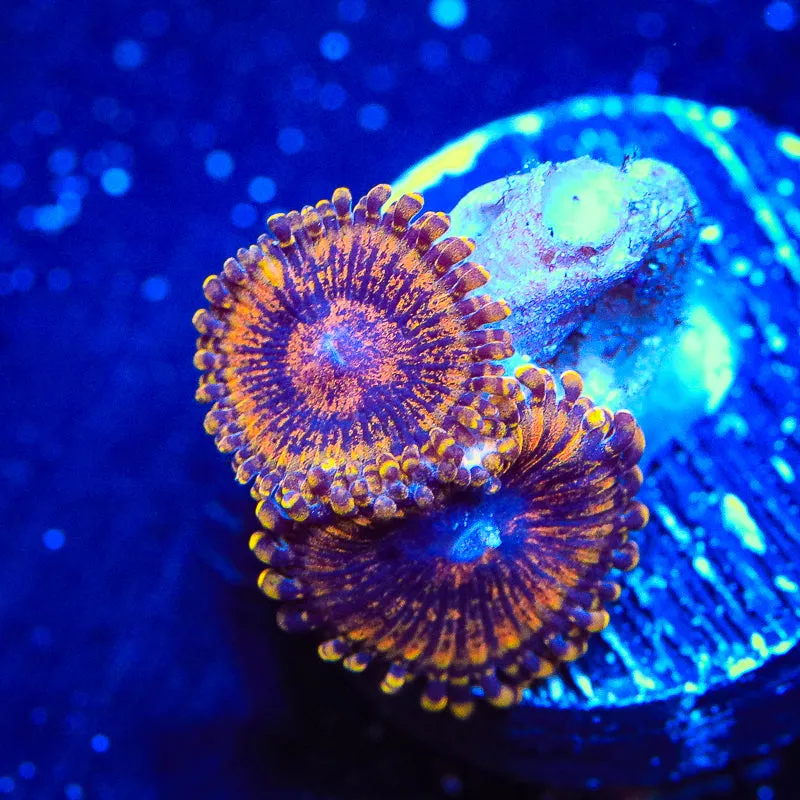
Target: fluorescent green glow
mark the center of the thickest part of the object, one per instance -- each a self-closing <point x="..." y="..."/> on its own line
<point x="706" y="345"/>
<point x="741" y="177"/>
<point x="759" y="644"/>
<point x="789" y="143"/>
<point x="454" y="159"/>
<point x="769" y="221"/>
<point x="788" y="426"/>
<point x="742" y="666"/>
<point x="785" y="253"/>
<point x="723" y="118"/>
<point x="695" y="112"/>
<point x="679" y="533"/>
<point x="556" y="688"/>
<point x="740" y="266"/>
<point x="529" y="124"/>
<point x="783" y="468"/>
<point x="785" y="584"/>
<point x="584" y="684"/>
<point x="711" y="234"/>
<point x="643" y="681"/>
<point x="736" y="518"/>
<point x="703" y="567"/>
<point x="730" y="159"/>
<point x="776" y="338"/>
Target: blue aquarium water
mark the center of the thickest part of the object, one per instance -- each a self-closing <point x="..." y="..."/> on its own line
<point x="142" y="144"/>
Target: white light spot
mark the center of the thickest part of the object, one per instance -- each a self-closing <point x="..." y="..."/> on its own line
<point x="736" y="518"/>
<point x="448" y="14"/>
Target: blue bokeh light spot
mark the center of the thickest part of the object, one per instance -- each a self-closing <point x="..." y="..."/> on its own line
<point x="115" y="181"/>
<point x="62" y="161"/>
<point x="304" y="83"/>
<point x="118" y="153"/>
<point x="261" y="189"/>
<point x="27" y="770"/>
<point x="73" y="791"/>
<point x="780" y="16"/>
<point x="46" y="122"/>
<point x="27" y="218"/>
<point x="452" y="785"/>
<point x="53" y="539"/>
<point x="381" y="78"/>
<point x="656" y="59"/>
<point x="291" y="140"/>
<point x="41" y="637"/>
<point x="95" y="161"/>
<point x="39" y="715"/>
<point x="332" y="96"/>
<point x="104" y="109"/>
<point x="100" y="743"/>
<point x="74" y="184"/>
<point x="650" y="24"/>
<point x="434" y="55"/>
<point x="243" y="215"/>
<point x="50" y="218"/>
<point x="644" y="82"/>
<point x="448" y="13"/>
<point x="155" y="22"/>
<point x="22" y="279"/>
<point x="155" y="288"/>
<point x="219" y="165"/>
<point x="203" y="135"/>
<point x="334" y="45"/>
<point x="12" y="175"/>
<point x="352" y="10"/>
<point x="6" y="784"/>
<point x="71" y="203"/>
<point x="128" y="54"/>
<point x="373" y="116"/>
<point x="476" y="48"/>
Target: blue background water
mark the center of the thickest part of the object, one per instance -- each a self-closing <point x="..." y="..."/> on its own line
<point x="142" y="143"/>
